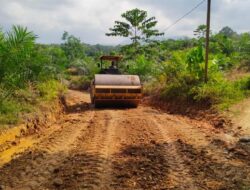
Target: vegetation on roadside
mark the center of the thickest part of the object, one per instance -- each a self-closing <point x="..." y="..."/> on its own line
<point x="29" y="74"/>
<point x="172" y="69"/>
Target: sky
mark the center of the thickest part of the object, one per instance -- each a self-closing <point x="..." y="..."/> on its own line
<point x="89" y="20"/>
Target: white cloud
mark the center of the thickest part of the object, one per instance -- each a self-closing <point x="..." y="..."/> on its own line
<point x="90" y="19"/>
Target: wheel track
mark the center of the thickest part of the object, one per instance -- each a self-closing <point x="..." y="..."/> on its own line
<point x="179" y="174"/>
<point x="89" y="166"/>
<point x="204" y="160"/>
<point x="119" y="149"/>
<point x="34" y="167"/>
<point x="140" y="163"/>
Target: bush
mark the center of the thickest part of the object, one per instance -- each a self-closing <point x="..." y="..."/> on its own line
<point x="180" y="88"/>
<point x="181" y="79"/>
<point x="20" y="101"/>
<point x="50" y="90"/>
<point x="141" y="66"/>
<point x="223" y="93"/>
<point x="243" y="84"/>
<point x="9" y="111"/>
<point x="79" y="82"/>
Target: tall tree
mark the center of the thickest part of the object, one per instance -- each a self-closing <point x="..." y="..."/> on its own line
<point x="72" y="47"/>
<point x="138" y="27"/>
<point x="228" y="32"/>
<point x="200" y="31"/>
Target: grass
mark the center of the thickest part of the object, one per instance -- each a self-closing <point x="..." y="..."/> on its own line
<point x="9" y="110"/>
<point x="219" y="93"/>
<point x="50" y="90"/>
<point x="23" y="101"/>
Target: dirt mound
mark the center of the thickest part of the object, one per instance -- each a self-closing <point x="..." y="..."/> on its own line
<point x="198" y="111"/>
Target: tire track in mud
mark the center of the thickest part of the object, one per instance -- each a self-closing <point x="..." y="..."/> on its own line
<point x="89" y="166"/>
<point x="140" y="162"/>
<point x="141" y="148"/>
<point x="205" y="160"/>
<point x="33" y="168"/>
<point x="179" y="175"/>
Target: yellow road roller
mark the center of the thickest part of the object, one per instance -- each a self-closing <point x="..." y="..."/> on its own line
<point x="111" y="88"/>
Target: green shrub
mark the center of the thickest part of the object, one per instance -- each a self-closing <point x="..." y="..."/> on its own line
<point x="195" y="60"/>
<point x="179" y="89"/>
<point x="217" y="92"/>
<point x="183" y="81"/>
<point x="9" y="111"/>
<point x="243" y="84"/>
<point x="27" y="95"/>
<point x="79" y="82"/>
<point x="141" y="66"/>
<point x="50" y="90"/>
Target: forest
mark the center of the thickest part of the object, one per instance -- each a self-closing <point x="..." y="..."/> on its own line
<point x="171" y="69"/>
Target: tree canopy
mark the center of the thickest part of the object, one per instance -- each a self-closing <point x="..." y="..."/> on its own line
<point x="228" y="32"/>
<point x="138" y="27"/>
<point x="72" y="47"/>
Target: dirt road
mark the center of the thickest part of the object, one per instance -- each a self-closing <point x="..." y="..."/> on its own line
<point x="141" y="148"/>
<point x="240" y="115"/>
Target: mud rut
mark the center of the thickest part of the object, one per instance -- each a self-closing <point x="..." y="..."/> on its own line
<point x="141" y="148"/>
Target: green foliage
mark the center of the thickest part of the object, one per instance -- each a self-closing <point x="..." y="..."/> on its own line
<point x="141" y="66"/>
<point x="179" y="89"/>
<point x="80" y="82"/>
<point x="49" y="62"/>
<point x="244" y="46"/>
<point x="72" y="47"/>
<point x="9" y="112"/>
<point x="22" y="61"/>
<point x="13" y="103"/>
<point x="200" y="31"/>
<point x="195" y="61"/>
<point x="138" y="27"/>
<point x="180" y="78"/>
<point x="179" y="44"/>
<point x="223" y="43"/>
<point x="221" y="92"/>
<point x="218" y="91"/>
<point x="81" y="66"/>
<point x="228" y="32"/>
<point x="25" y="100"/>
<point x="222" y="61"/>
<point x="25" y="67"/>
<point x="243" y="84"/>
<point x="16" y="50"/>
<point x="99" y="50"/>
<point x="50" y="90"/>
<point x="174" y="69"/>
<point x="86" y="67"/>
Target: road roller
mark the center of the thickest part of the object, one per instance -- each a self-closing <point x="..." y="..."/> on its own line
<point x="111" y="88"/>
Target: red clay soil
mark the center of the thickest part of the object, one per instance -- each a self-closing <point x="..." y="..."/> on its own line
<point x="142" y="148"/>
